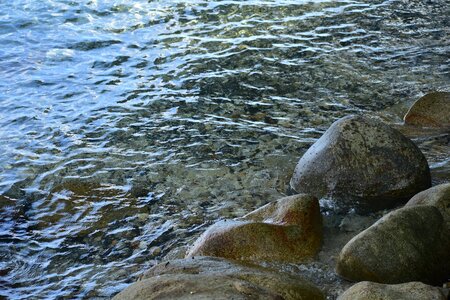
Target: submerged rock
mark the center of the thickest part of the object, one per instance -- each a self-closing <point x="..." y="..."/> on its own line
<point x="363" y="163"/>
<point x="406" y="291"/>
<point x="355" y="223"/>
<point x="438" y="196"/>
<point x="408" y="244"/>
<point x="287" y="230"/>
<point x="432" y="110"/>
<point x="214" y="278"/>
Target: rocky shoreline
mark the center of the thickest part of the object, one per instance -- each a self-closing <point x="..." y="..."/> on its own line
<point x="368" y="170"/>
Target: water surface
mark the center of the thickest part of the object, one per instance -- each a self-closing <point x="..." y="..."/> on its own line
<point x="127" y="128"/>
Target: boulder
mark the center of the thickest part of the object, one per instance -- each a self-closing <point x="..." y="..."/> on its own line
<point x="408" y="244"/>
<point x="363" y="163"/>
<point x="432" y="110"/>
<point x="215" y="278"/>
<point x="287" y="230"/>
<point x="438" y="196"/>
<point x="406" y="291"/>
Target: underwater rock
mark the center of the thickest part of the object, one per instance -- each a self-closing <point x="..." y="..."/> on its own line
<point x="363" y="163"/>
<point x="406" y="291"/>
<point x="408" y="244"/>
<point x="355" y="223"/>
<point x="432" y="110"/>
<point x="287" y="230"/>
<point x="216" y="278"/>
<point x="438" y="196"/>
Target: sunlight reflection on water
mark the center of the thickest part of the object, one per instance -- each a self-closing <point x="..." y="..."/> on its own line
<point x="129" y="127"/>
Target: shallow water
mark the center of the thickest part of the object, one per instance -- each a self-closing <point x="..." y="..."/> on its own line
<point x="127" y="128"/>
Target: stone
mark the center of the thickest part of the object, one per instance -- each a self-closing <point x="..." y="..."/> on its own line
<point x="408" y="244"/>
<point x="432" y="110"/>
<point x="216" y="278"/>
<point x="287" y="230"/>
<point x="362" y="163"/>
<point x="406" y="291"/>
<point x="354" y="222"/>
<point x="438" y="196"/>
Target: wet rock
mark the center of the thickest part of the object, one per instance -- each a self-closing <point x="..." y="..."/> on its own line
<point x="363" y="163"/>
<point x="287" y="230"/>
<point x="155" y="251"/>
<point x="214" y="278"/>
<point x="432" y="110"/>
<point x="355" y="223"/>
<point x="408" y="244"/>
<point x="438" y="196"/>
<point x="406" y="291"/>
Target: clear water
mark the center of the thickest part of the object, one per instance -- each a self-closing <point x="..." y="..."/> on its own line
<point x="126" y="127"/>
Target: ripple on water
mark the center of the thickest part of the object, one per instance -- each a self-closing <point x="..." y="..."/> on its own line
<point x="129" y="128"/>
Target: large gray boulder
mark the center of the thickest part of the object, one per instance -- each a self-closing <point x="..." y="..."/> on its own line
<point x="406" y="291"/>
<point x="408" y="244"/>
<point x="432" y="110"/>
<point x="213" y="278"/>
<point x="438" y="196"/>
<point x="286" y="230"/>
<point x="364" y="163"/>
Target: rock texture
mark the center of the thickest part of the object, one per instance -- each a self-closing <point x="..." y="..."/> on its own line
<point x="288" y="230"/>
<point x="438" y="196"/>
<point x="407" y="291"/>
<point x="432" y="110"/>
<point x="214" y="278"/>
<point x="364" y="163"/>
<point x="408" y="244"/>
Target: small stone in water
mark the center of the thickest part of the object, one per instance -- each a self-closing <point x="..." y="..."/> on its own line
<point x="143" y="245"/>
<point x="155" y="251"/>
<point x="142" y="217"/>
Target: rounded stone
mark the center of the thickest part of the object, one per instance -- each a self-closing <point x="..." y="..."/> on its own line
<point x="406" y="291"/>
<point x="432" y="110"/>
<point x="363" y="163"/>
<point x="408" y="244"/>
<point x="215" y="278"/>
<point x="287" y="230"/>
<point x="438" y="196"/>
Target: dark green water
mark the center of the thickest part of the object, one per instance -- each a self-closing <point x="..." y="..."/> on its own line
<point x="126" y="127"/>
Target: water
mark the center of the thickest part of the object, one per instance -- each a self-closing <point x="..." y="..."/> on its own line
<point x="127" y="128"/>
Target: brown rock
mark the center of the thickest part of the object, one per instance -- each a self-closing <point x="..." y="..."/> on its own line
<point x="408" y="244"/>
<point x="438" y="196"/>
<point x="362" y="163"/>
<point x="301" y="210"/>
<point x="406" y="291"/>
<point x="215" y="278"/>
<point x="288" y="230"/>
<point x="432" y="110"/>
